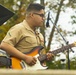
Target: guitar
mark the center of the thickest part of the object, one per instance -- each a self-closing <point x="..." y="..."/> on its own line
<point x="20" y="64"/>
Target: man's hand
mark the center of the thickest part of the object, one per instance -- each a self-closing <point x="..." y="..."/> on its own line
<point x="30" y="60"/>
<point x="49" y="56"/>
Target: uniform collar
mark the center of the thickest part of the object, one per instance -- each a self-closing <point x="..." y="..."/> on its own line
<point x="26" y="25"/>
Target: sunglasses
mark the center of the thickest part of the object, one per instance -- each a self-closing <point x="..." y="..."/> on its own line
<point x="41" y="15"/>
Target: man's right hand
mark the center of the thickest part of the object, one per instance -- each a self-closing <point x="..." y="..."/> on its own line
<point x="30" y="60"/>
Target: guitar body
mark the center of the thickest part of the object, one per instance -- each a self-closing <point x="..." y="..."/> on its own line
<point x="20" y="64"/>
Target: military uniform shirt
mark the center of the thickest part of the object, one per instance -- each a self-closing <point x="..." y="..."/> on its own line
<point x="23" y="38"/>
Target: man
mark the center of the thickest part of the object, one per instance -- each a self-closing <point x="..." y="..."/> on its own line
<point x="23" y="37"/>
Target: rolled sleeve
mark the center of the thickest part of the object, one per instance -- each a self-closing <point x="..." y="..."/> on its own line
<point x="13" y="36"/>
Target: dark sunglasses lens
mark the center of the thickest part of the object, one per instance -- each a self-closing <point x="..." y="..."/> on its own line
<point x="42" y="15"/>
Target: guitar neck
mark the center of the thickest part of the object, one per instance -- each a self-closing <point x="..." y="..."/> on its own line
<point x="62" y="49"/>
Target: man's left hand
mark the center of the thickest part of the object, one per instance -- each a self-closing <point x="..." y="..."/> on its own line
<point x="49" y="56"/>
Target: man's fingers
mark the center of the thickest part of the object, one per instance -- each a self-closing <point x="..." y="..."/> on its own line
<point x="49" y="56"/>
<point x="34" y="61"/>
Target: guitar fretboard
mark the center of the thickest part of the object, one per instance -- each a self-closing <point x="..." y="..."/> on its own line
<point x="62" y="49"/>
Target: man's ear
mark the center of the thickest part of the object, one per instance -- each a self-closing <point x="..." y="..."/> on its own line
<point x="31" y="15"/>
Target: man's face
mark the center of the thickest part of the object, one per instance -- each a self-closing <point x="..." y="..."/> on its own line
<point x="38" y="18"/>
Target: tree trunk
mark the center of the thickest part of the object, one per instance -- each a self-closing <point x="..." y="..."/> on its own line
<point x="54" y="24"/>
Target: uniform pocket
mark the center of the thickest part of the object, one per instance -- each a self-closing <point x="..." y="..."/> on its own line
<point x="31" y="40"/>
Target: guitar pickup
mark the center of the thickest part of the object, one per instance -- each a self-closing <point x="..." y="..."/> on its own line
<point x="22" y="63"/>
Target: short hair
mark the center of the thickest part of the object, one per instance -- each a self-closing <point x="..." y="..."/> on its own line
<point x="34" y="7"/>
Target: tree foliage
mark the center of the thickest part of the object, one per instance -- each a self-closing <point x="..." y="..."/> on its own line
<point x="16" y="6"/>
<point x="54" y="6"/>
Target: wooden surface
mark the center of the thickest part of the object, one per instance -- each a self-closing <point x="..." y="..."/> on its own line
<point x="41" y="72"/>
